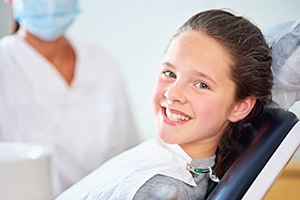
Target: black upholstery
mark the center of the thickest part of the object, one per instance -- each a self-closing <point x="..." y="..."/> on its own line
<point x="270" y="130"/>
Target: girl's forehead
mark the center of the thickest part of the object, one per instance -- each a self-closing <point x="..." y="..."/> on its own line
<point x="197" y="48"/>
<point x="198" y="42"/>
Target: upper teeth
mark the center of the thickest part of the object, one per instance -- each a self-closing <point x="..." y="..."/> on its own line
<point x="175" y="117"/>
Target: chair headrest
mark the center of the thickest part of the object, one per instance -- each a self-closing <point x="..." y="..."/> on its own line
<point x="265" y="135"/>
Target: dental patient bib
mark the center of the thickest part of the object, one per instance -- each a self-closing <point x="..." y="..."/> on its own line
<point x="122" y="176"/>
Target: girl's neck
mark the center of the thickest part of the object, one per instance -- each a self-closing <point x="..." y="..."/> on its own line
<point x="202" y="149"/>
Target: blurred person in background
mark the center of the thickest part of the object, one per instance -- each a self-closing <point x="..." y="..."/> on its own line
<point x="61" y="92"/>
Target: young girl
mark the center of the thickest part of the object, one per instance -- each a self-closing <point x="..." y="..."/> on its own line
<point x="215" y="73"/>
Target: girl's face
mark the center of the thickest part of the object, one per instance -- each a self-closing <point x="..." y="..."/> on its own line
<point x="194" y="96"/>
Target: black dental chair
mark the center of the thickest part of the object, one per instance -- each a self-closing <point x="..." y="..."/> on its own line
<point x="272" y="141"/>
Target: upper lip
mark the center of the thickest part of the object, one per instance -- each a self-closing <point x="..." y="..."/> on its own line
<point x="174" y="111"/>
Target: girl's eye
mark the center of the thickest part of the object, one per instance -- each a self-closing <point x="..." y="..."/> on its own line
<point x="202" y="85"/>
<point x="169" y="74"/>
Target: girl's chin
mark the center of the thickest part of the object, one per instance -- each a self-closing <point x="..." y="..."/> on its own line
<point x="167" y="139"/>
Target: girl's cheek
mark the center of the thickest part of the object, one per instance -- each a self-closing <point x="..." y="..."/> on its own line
<point x="158" y="93"/>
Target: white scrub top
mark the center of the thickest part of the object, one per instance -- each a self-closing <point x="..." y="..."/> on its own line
<point x="85" y="123"/>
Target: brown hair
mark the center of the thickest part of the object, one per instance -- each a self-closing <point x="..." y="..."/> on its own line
<point x="251" y="72"/>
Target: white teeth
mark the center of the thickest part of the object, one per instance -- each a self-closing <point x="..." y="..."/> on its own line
<point x="175" y="117"/>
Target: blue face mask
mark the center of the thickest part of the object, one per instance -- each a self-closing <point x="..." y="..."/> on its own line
<point x="46" y="19"/>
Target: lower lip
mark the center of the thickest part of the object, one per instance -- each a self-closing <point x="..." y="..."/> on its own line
<point x="170" y="122"/>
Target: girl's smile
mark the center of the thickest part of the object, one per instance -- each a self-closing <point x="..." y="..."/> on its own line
<point x="174" y="117"/>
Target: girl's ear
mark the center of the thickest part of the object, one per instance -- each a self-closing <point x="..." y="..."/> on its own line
<point x="242" y="109"/>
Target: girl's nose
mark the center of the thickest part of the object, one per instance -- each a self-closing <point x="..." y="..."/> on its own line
<point x="175" y="93"/>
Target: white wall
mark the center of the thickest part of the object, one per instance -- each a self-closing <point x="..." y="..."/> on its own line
<point x="137" y="32"/>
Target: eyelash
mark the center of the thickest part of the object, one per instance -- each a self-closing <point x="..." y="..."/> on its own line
<point x="202" y="85"/>
<point x="168" y="73"/>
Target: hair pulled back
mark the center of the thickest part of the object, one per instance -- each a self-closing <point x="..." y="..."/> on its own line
<point x="251" y="72"/>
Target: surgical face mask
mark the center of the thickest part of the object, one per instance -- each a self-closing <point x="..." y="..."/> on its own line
<point x="46" y="19"/>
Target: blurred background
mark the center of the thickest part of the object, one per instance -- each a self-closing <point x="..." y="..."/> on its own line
<point x="137" y="33"/>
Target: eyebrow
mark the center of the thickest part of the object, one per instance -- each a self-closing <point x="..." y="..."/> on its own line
<point x="201" y="74"/>
<point x="194" y="72"/>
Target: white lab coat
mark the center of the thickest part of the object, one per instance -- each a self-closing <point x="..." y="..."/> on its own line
<point x="86" y="122"/>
